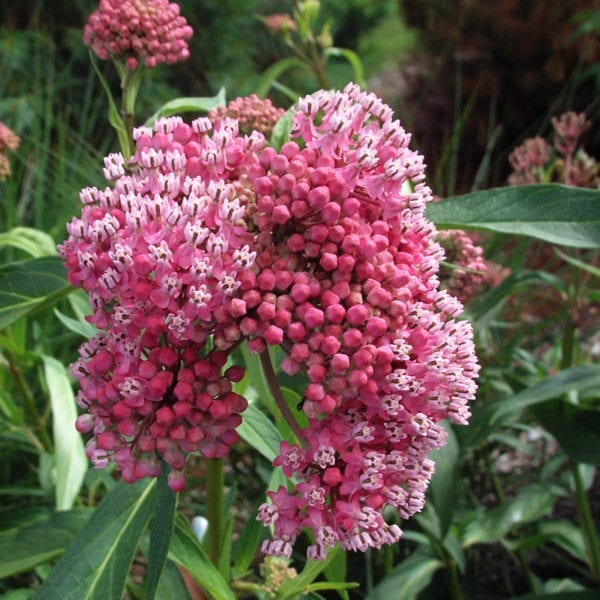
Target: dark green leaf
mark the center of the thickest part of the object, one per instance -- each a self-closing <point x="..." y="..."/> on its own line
<point x="96" y="565"/>
<point x="558" y="214"/>
<point x="29" y="285"/>
<point x="445" y="485"/>
<point x="165" y="505"/>
<point x="248" y="542"/>
<point x="337" y="570"/>
<point x="531" y="504"/>
<point x="23" y="548"/>
<point x="186" y="551"/>
<point x="171" y="585"/>
<point x="577" y="429"/>
<point x="583" y="595"/>
<point x="407" y="579"/>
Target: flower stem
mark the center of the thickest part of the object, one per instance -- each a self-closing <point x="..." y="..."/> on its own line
<point x="267" y="366"/>
<point x="215" y="507"/>
<point x="587" y="524"/>
<point x="33" y="416"/>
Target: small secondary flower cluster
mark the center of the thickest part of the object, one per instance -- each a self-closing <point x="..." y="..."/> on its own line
<point x="138" y="31"/>
<point x="565" y="161"/>
<point x="321" y="247"/>
<point x="9" y="142"/>
<point x="252" y="114"/>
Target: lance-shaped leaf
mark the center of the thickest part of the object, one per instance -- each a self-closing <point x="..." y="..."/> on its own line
<point x="558" y="214"/>
<point x="260" y="433"/>
<point x="197" y="104"/>
<point x="96" y="565"/>
<point x="69" y="456"/>
<point x="27" y="546"/>
<point x="29" y="285"/>
<point x="33" y="241"/>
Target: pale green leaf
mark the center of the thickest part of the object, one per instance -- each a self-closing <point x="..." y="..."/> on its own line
<point x="71" y="462"/>
<point x="186" y="105"/>
<point x="33" y="241"/>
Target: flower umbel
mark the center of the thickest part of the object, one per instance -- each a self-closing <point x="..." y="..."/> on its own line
<point x="322" y="248"/>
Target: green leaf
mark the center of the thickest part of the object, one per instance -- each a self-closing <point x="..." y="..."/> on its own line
<point x="578" y="263"/>
<point x="114" y="116"/>
<point x="446" y="481"/>
<point x="257" y="429"/>
<point x="171" y="584"/>
<point x="576" y="429"/>
<point x="96" y="565"/>
<point x="33" y="241"/>
<point x="69" y="455"/>
<point x="563" y="533"/>
<point x="583" y="595"/>
<point x="558" y="214"/>
<point x="83" y="328"/>
<point x="493" y="415"/>
<point x="192" y="104"/>
<point x="353" y="59"/>
<point x="29" y="285"/>
<point x="165" y="506"/>
<point x="248" y="542"/>
<point x="407" y="579"/>
<point x="531" y="504"/>
<point x="27" y="546"/>
<point x="275" y="71"/>
<point x="293" y="587"/>
<point x="187" y="552"/>
<point x="282" y="130"/>
<point x="337" y="571"/>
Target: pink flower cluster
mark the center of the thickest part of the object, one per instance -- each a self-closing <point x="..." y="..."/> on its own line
<point x="9" y="142"/>
<point x="349" y="272"/>
<point x="536" y="161"/>
<point x="468" y="267"/>
<point x="252" y="114"/>
<point x="321" y="247"/>
<point x="162" y="254"/>
<point x="138" y="31"/>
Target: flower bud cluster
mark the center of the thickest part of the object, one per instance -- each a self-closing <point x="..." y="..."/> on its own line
<point x="252" y="114"/>
<point x="138" y="31"/>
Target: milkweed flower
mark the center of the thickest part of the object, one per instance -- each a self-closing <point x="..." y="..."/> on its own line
<point x="162" y="253"/>
<point x="349" y="286"/>
<point x="252" y="114"/>
<point x="321" y="247"/>
<point x="138" y="31"/>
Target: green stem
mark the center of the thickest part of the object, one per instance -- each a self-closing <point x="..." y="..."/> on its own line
<point x="267" y="366"/>
<point x="31" y="412"/>
<point x="456" y="592"/>
<point x="587" y="524"/>
<point x="215" y="507"/>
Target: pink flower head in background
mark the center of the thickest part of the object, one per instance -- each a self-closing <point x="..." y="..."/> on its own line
<point x="321" y="248"/>
<point x="138" y="31"/>
<point x="9" y="142"/>
<point x="252" y="114"/>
